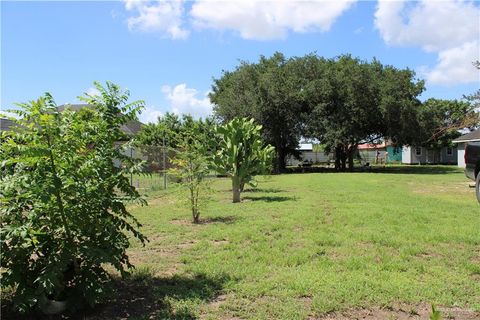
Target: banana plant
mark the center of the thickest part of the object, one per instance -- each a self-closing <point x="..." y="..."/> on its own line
<point x="242" y="154"/>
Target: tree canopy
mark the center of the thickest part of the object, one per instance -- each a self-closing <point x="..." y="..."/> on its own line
<point x="340" y="101"/>
<point x="268" y="92"/>
<point x="439" y="121"/>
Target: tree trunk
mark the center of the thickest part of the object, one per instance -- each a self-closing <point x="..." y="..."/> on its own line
<point x="236" y="190"/>
<point x="344" y="162"/>
<point x="343" y="158"/>
<point x="338" y="156"/>
<point x="196" y="217"/>
<point x="242" y="186"/>
<point x="280" y="163"/>
<point x="351" y="154"/>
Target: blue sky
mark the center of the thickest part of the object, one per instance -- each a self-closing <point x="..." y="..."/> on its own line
<point x="167" y="52"/>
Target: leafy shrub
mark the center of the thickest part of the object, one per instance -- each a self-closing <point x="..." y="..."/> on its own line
<point x="62" y="199"/>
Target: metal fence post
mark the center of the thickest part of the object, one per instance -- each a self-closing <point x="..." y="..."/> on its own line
<point x="131" y="174"/>
<point x="164" y="166"/>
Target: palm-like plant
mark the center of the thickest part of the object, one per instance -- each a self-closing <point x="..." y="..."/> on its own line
<point x="242" y="154"/>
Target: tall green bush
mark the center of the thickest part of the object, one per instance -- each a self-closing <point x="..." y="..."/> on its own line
<point x="242" y="154"/>
<point x="62" y="199"/>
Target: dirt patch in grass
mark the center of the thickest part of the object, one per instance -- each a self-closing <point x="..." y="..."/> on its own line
<point x="186" y="245"/>
<point x="428" y="255"/>
<point x="172" y="270"/>
<point x="159" y="251"/>
<point x="453" y="188"/>
<point x="269" y="198"/>
<point x="207" y="220"/>
<point x="307" y="301"/>
<point x="218" y="301"/>
<point x="401" y="312"/>
<point x="148" y="298"/>
<point x="163" y="200"/>
<point x="220" y="242"/>
<point x="182" y="222"/>
<point x="476" y="257"/>
<point x="215" y="304"/>
<point x="220" y="219"/>
<point x="263" y="190"/>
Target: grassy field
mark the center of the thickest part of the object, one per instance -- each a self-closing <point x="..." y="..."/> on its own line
<point x="318" y="245"/>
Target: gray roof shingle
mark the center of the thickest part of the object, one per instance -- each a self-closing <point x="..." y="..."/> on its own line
<point x="471" y="136"/>
<point x="6" y="124"/>
<point x="132" y="127"/>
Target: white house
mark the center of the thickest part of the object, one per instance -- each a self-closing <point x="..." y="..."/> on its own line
<point x="307" y="154"/>
<point x="461" y="141"/>
<point x="422" y="155"/>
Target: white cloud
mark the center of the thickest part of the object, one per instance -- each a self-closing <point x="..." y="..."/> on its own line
<point x="358" y="30"/>
<point x="5" y="113"/>
<point x="184" y="100"/>
<point x="253" y="19"/>
<point x="164" y="17"/>
<point x="265" y="20"/>
<point x="448" y="28"/>
<point x="432" y="25"/>
<point x="150" y="114"/>
<point x="455" y="65"/>
<point x="92" y="91"/>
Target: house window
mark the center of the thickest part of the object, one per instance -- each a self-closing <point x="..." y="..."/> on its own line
<point x="418" y="151"/>
<point x="449" y="151"/>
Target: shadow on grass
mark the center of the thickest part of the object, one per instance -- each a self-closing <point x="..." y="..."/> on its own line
<point x="146" y="297"/>
<point x="400" y="169"/>
<point x="225" y="220"/>
<point x="269" y="198"/>
<point x="149" y="298"/>
<point x="417" y="169"/>
<point x="263" y="190"/>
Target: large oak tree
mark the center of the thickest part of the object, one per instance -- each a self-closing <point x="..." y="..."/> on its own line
<point x="341" y="102"/>
<point x="269" y="92"/>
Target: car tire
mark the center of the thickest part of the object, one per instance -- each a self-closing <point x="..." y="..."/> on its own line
<point x="477" y="187"/>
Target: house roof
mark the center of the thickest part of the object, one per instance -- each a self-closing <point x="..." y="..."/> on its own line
<point x="305" y="147"/>
<point x="132" y="127"/>
<point x="6" y="124"/>
<point x="471" y="136"/>
<point x="369" y="146"/>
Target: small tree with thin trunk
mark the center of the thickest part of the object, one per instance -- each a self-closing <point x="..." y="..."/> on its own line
<point x="242" y="154"/>
<point x="191" y="166"/>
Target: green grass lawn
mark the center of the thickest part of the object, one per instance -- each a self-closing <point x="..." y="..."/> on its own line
<point x="305" y="245"/>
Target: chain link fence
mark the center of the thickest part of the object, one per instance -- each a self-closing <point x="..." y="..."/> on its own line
<point x="157" y="161"/>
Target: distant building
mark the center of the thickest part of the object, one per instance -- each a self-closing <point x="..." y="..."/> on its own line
<point x="6" y="124"/>
<point x="461" y="141"/>
<point x="131" y="128"/>
<point x="406" y="154"/>
<point x="422" y="155"/>
<point x="309" y="153"/>
<point x="375" y="153"/>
